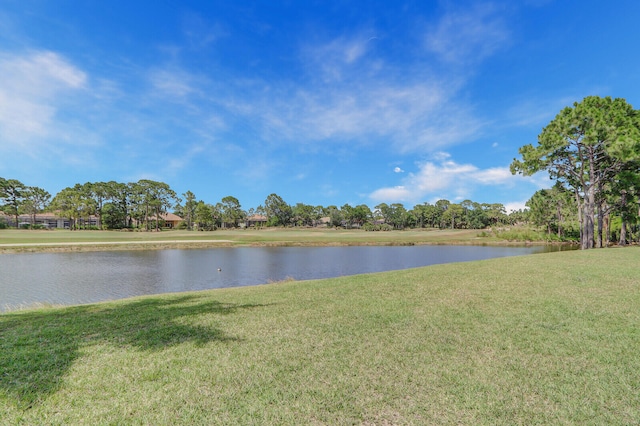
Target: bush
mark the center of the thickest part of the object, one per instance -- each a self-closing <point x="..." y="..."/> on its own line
<point x="377" y="227"/>
<point x="527" y="235"/>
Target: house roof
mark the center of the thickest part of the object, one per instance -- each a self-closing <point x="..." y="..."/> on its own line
<point x="171" y="217"/>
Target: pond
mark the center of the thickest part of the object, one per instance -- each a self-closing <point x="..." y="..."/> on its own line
<point x="74" y="278"/>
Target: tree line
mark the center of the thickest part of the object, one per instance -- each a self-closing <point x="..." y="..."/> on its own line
<point x="590" y="150"/>
<point x="115" y="205"/>
<point x="143" y="204"/>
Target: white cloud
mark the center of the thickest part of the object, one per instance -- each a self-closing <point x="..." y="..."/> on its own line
<point x="172" y="82"/>
<point x="493" y="176"/>
<point x="31" y="93"/>
<point x="398" y="170"/>
<point x="337" y="58"/>
<point x="468" y="36"/>
<point x="414" y="116"/>
<point x="397" y="193"/>
<point x="515" y="206"/>
<point x="442" y="176"/>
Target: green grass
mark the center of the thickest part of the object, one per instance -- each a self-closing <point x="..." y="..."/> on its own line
<point x="56" y="240"/>
<point x="541" y="339"/>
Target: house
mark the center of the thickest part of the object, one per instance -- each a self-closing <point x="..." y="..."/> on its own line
<point x="171" y="220"/>
<point x="46" y="220"/>
<point x="167" y="220"/>
<point x="256" y="220"/>
<point x="54" y="220"/>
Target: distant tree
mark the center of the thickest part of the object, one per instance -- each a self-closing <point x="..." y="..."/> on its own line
<point x="189" y="209"/>
<point x="496" y="213"/>
<point x="203" y="217"/>
<point x="152" y="198"/>
<point x="551" y="208"/>
<point x="100" y="192"/>
<point x="113" y="217"/>
<point x="35" y="201"/>
<point x="260" y="210"/>
<point x="394" y="215"/>
<point x="427" y="215"/>
<point x="453" y="215"/>
<point x="318" y="213"/>
<point x="399" y="216"/>
<point x="382" y="212"/>
<point x="361" y="214"/>
<point x="541" y="212"/>
<point x="73" y="203"/>
<point x="347" y="215"/>
<point x="121" y="196"/>
<point x="442" y="206"/>
<point x="12" y="195"/>
<point x="231" y="211"/>
<point x="302" y="214"/>
<point x="476" y="217"/>
<point x="622" y="196"/>
<point x="336" y="217"/>
<point x="279" y="213"/>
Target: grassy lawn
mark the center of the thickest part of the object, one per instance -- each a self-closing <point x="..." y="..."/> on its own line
<point x="26" y="240"/>
<point x="541" y="339"/>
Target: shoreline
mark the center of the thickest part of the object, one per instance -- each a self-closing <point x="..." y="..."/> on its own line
<point x="67" y="247"/>
<point x="12" y="242"/>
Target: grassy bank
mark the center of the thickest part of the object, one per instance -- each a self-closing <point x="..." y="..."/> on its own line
<point x="12" y="241"/>
<point x="541" y="339"/>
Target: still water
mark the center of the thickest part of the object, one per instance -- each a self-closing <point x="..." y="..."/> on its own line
<point x="73" y="278"/>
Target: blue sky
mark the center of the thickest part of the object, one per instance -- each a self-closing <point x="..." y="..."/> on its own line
<point x="320" y="102"/>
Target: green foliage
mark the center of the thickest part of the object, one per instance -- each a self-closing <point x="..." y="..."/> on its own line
<point x="527" y="234"/>
<point x="377" y="227"/>
<point x="12" y="196"/>
<point x="231" y="211"/>
<point x="585" y="148"/>
<point x="279" y="213"/>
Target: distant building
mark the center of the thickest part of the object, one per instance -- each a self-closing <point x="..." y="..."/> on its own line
<point x="54" y="220"/>
<point x="255" y="220"/>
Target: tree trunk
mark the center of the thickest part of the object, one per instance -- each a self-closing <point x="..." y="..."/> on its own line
<point x="588" y="218"/>
<point x="589" y="237"/>
<point x="559" y="215"/>
<point x="600" y="227"/>
<point x="623" y="234"/>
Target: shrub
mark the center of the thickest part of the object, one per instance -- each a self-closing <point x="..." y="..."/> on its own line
<point x="377" y="227"/>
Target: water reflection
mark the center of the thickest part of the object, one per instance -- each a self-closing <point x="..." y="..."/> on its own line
<point x="71" y="278"/>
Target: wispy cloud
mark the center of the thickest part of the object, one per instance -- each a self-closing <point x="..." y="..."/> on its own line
<point x="201" y="33"/>
<point x="407" y="111"/>
<point x="468" y="36"/>
<point x="173" y="84"/>
<point x="32" y="91"/>
<point x="337" y="59"/>
<point x="442" y="177"/>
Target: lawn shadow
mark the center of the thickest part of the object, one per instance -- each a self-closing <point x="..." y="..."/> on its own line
<point x="37" y="348"/>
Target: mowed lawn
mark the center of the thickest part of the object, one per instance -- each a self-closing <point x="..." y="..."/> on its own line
<point x="265" y="236"/>
<point x="540" y="339"/>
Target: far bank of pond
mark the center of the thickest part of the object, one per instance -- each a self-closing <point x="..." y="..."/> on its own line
<point x="85" y="277"/>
